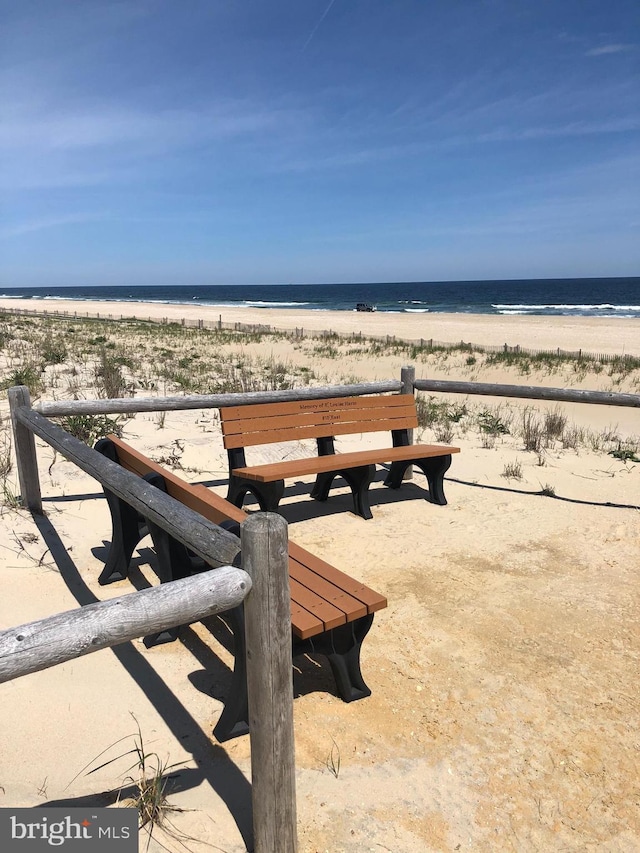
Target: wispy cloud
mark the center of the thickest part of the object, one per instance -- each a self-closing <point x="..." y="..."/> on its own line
<point x="605" y="49"/>
<point x="94" y="143"/>
<point x="577" y="128"/>
<point x="107" y="125"/>
<point x="32" y="225"/>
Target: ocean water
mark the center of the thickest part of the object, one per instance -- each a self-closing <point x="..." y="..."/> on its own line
<point x="584" y="297"/>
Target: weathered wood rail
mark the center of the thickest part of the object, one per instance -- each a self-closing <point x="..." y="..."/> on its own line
<point x="25" y="426"/>
<point x="263" y="586"/>
<point x="531" y="392"/>
<point x="61" y="408"/>
<point x="66" y="636"/>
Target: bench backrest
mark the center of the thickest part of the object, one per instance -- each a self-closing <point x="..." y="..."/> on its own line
<point x="199" y="499"/>
<point x="267" y="423"/>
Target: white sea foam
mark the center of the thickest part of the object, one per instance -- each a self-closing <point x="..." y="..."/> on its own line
<point x="603" y="306"/>
<point x="261" y="304"/>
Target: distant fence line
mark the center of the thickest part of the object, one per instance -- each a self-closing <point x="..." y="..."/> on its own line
<point x="324" y="334"/>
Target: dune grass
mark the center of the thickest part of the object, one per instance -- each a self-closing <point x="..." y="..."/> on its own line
<point x="70" y="358"/>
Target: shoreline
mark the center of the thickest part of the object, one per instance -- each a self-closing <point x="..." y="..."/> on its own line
<point x="619" y="336"/>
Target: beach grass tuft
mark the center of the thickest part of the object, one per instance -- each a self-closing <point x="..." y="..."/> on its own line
<point x="89" y="428"/>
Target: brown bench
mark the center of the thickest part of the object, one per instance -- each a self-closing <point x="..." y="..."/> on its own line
<point x="323" y="420"/>
<point x="331" y="613"/>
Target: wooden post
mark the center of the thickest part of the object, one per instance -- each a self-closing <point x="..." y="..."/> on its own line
<point x="25" y="448"/>
<point x="408" y="377"/>
<point x="269" y="682"/>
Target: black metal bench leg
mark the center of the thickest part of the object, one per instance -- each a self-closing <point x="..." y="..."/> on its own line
<point x="234" y="720"/>
<point x="322" y="485"/>
<point x="342" y="647"/>
<point x="173" y="563"/>
<point x="268" y="495"/>
<point x="434" y="470"/>
<point x="396" y="473"/>
<point x="128" y="528"/>
<point x="358" y="479"/>
<point x="237" y="491"/>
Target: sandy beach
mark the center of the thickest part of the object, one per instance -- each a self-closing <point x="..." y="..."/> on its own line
<point x="591" y="334"/>
<point x="504" y="714"/>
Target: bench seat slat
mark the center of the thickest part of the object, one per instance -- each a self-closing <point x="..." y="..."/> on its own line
<point x="205" y="502"/>
<point x="272" y="436"/>
<point x="331" y="616"/>
<point x="350" y="586"/>
<point x="303" y="623"/>
<point x="321" y="464"/>
<point x="372" y="600"/>
<point x="328" y="405"/>
<point x="329" y="592"/>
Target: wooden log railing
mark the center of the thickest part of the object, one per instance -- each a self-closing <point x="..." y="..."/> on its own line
<point x="60" y="408"/>
<point x="66" y="636"/>
<point x="531" y="392"/>
<point x="27" y="465"/>
<point x="262" y="583"/>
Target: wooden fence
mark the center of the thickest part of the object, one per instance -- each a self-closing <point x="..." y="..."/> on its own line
<point x="262" y="583"/>
<point x="529" y="392"/>
<point x="264" y="550"/>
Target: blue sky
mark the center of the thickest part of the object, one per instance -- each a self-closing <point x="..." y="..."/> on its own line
<point x="259" y="141"/>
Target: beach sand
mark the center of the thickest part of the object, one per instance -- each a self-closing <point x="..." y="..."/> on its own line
<point x="504" y="714"/>
<point x="591" y="334"/>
